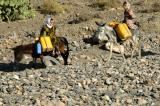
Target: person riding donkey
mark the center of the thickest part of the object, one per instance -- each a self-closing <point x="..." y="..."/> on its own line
<point x="117" y="34"/>
<point x="49" y="30"/>
<point x="129" y="20"/>
<point x="130" y="17"/>
<point x="133" y="25"/>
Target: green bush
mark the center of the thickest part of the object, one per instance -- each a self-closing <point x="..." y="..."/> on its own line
<point x="11" y="10"/>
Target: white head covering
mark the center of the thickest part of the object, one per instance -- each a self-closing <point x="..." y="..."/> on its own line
<point x="48" y="21"/>
<point x="126" y="4"/>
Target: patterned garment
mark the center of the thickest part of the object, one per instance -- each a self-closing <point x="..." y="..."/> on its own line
<point x="129" y="19"/>
<point x="45" y="31"/>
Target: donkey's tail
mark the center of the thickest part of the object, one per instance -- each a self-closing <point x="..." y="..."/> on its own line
<point x="65" y="41"/>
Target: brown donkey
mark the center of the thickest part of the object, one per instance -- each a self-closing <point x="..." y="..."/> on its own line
<point x="61" y="48"/>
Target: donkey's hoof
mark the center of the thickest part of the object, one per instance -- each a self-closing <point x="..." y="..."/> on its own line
<point x="65" y="63"/>
<point x="44" y="66"/>
<point x="34" y="66"/>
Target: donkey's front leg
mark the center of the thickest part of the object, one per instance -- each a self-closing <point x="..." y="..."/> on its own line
<point x="111" y="49"/>
<point x="122" y="51"/>
<point x="140" y="47"/>
<point x="34" y="62"/>
<point x="42" y="61"/>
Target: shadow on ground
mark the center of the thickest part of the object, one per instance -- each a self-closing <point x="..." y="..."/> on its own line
<point x="147" y="53"/>
<point x="91" y="40"/>
<point x="143" y="53"/>
<point x="12" y="67"/>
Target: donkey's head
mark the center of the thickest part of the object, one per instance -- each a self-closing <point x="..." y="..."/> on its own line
<point x="103" y="32"/>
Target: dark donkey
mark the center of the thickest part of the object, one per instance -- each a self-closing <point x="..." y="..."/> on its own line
<point x="61" y="48"/>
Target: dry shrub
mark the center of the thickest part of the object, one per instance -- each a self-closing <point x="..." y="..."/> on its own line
<point x="52" y="6"/>
<point x="151" y="6"/>
<point x="151" y="12"/>
<point x="155" y="7"/>
<point x="150" y="22"/>
<point x="151" y="27"/>
<point x="105" y="4"/>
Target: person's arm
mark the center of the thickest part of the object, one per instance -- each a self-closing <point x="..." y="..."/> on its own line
<point x="53" y="32"/>
<point x="42" y="32"/>
<point x="131" y="13"/>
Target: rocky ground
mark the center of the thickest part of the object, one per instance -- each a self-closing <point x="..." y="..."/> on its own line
<point x="89" y="80"/>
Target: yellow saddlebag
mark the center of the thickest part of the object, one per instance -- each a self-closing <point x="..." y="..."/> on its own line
<point x="46" y="43"/>
<point x="123" y="31"/>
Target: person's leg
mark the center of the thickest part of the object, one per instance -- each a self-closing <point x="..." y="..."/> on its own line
<point x="131" y="24"/>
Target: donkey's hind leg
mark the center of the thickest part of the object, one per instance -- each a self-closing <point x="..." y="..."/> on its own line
<point x="65" y="58"/>
<point x="139" y="51"/>
<point x="133" y="52"/>
<point x="140" y="47"/>
<point x="137" y="45"/>
<point x="111" y="49"/>
<point x="122" y="52"/>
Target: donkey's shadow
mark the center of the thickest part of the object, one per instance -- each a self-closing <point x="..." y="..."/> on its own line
<point x="13" y="67"/>
<point x="147" y="53"/>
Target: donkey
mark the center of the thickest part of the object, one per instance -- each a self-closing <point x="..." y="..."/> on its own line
<point x="105" y="33"/>
<point x="61" y="48"/>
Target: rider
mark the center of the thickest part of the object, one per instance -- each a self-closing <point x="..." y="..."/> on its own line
<point x="49" y="29"/>
<point x="130" y="20"/>
<point x="129" y="16"/>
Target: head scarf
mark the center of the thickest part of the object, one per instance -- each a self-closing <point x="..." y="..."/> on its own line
<point x="126" y="4"/>
<point x="48" y="21"/>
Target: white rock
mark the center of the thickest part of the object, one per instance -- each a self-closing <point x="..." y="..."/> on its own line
<point x="142" y="102"/>
<point x="16" y="77"/>
<point x="59" y="103"/>
<point x="129" y="101"/>
<point x="94" y="80"/>
<point x="106" y="97"/>
<point x="108" y="81"/>
<point x="83" y="56"/>
<point x="1" y="104"/>
<point x="75" y="43"/>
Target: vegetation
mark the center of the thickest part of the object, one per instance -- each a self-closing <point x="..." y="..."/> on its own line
<point x="103" y="4"/>
<point x="152" y="7"/>
<point x="11" y="10"/>
<point x="52" y="6"/>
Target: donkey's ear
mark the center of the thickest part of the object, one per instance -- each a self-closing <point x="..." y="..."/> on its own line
<point x="100" y="23"/>
<point x="97" y="23"/>
<point x="103" y="24"/>
<point x="13" y="48"/>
